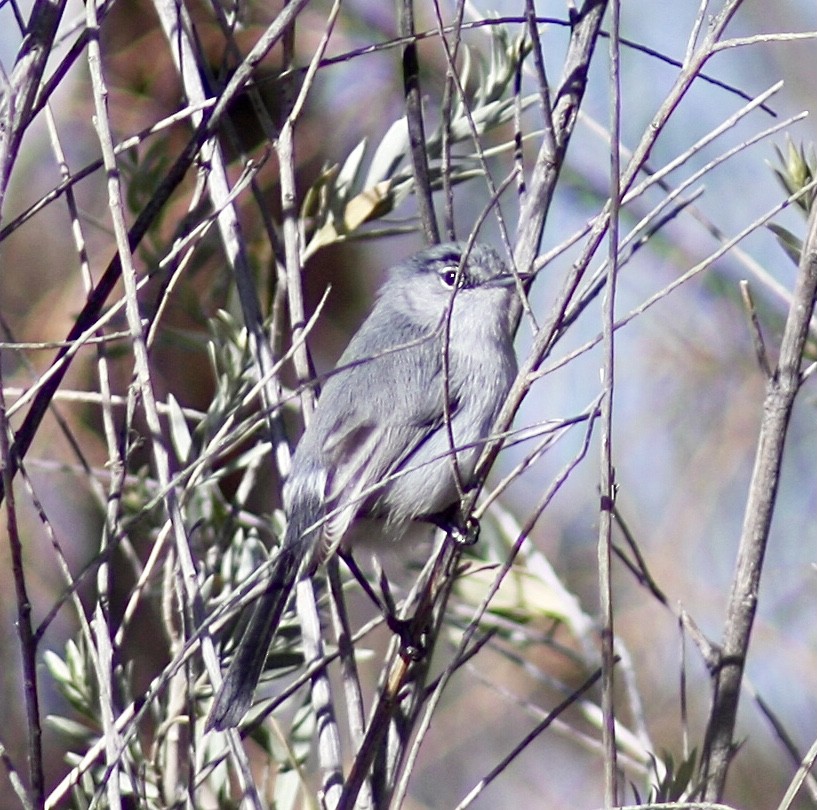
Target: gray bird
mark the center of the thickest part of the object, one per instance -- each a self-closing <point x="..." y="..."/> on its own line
<point x="378" y="445"/>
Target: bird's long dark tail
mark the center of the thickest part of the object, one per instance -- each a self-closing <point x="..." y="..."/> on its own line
<point x="235" y="695"/>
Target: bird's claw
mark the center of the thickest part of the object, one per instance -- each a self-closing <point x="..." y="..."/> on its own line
<point x="412" y="644"/>
<point x="468" y="534"/>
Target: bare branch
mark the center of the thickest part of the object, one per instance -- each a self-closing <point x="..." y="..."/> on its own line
<point x="781" y="390"/>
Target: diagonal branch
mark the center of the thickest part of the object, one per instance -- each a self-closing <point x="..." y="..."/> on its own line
<point x="781" y="390"/>
<point x="18" y="104"/>
<point x="546" y="171"/>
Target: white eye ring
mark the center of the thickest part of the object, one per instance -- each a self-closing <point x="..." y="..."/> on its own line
<point x="449" y="278"/>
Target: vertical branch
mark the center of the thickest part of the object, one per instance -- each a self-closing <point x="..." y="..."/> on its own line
<point x="329" y="751"/>
<point x="116" y="207"/>
<point x="414" y="119"/>
<point x="28" y="644"/>
<point x="16" y="110"/>
<point x="781" y="390"/>
<point x="446" y="109"/>
<point x="355" y="706"/>
<point x="606" y="471"/>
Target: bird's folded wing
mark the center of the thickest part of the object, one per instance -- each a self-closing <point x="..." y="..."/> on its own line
<point x="366" y="445"/>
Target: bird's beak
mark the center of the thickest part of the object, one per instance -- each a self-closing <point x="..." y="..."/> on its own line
<point x="508" y="279"/>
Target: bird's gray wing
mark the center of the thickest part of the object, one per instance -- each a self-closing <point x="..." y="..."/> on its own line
<point x="372" y="415"/>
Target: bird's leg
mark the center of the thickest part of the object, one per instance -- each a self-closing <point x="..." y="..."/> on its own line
<point x="412" y="647"/>
<point x="352" y="565"/>
<point x="463" y="530"/>
<point x="412" y="642"/>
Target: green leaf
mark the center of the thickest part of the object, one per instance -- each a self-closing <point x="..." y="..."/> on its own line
<point x="390" y="153"/>
<point x="179" y="431"/>
<point x="70" y="728"/>
<point x="792" y="246"/>
<point x="349" y="175"/>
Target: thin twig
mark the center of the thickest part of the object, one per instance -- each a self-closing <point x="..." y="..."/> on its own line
<point x="607" y="482"/>
<point x="445" y="113"/>
<point x="14" y="778"/>
<point x="177" y="26"/>
<point x="757" y="333"/>
<point x="398" y="42"/>
<point x="726" y="247"/>
<point x="786" y="741"/>
<point x="527" y="740"/>
<point x="802" y="774"/>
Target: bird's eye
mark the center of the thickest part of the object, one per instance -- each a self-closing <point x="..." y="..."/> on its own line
<point x="448" y="278"/>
